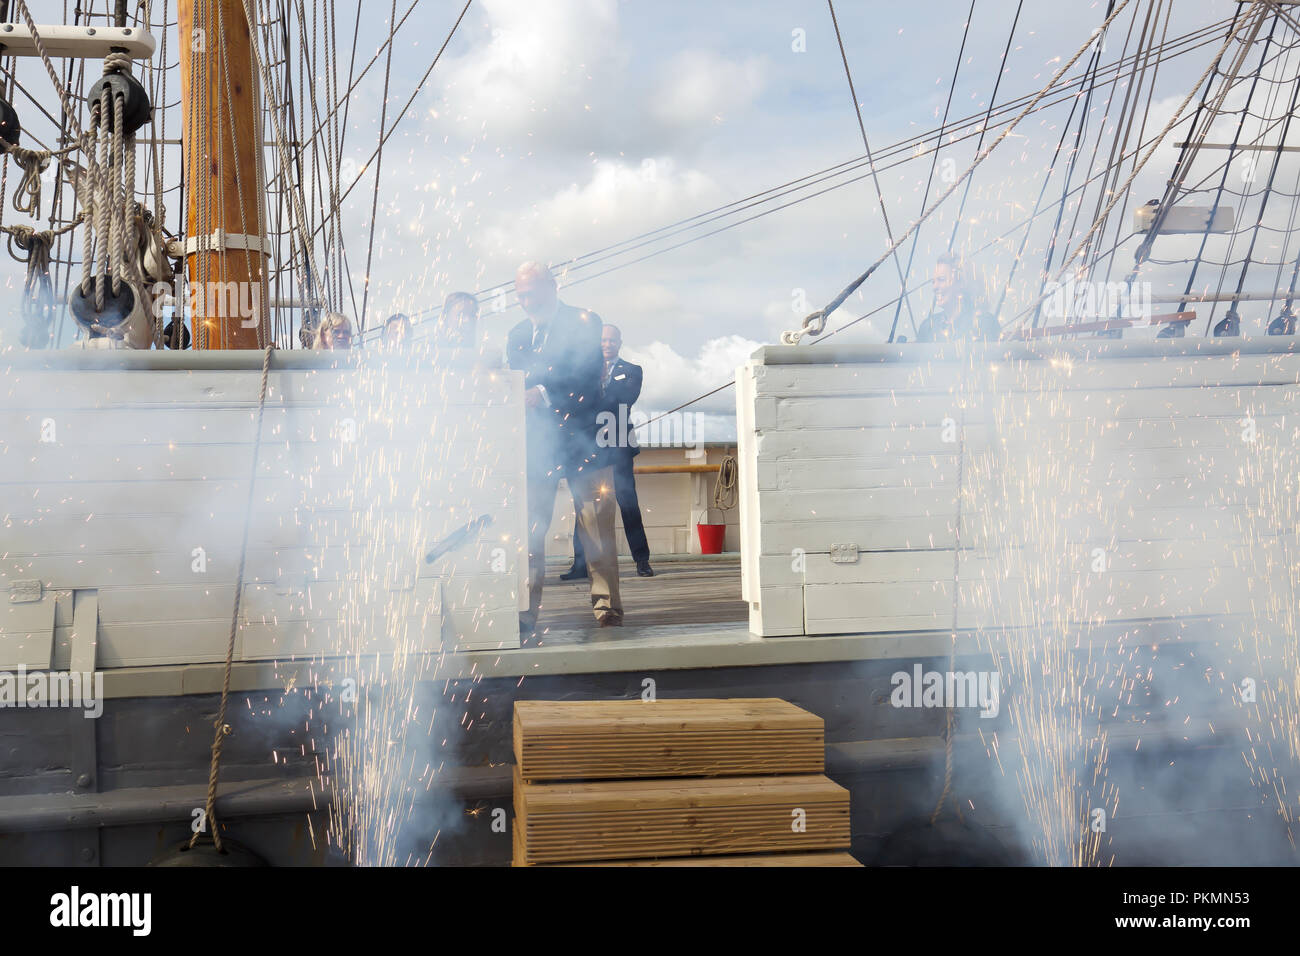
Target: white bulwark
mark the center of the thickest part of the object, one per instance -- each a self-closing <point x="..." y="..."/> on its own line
<point x="125" y="478"/>
<point x="1097" y="482"/>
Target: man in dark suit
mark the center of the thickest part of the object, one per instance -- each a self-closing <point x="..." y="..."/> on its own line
<point x="558" y="349"/>
<point x="620" y="388"/>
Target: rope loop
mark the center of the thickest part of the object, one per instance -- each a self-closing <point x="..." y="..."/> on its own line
<point x="724" y="488"/>
<point x="33" y="162"/>
<point x="118" y="62"/>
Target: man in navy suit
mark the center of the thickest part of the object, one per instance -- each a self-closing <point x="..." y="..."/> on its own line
<point x="620" y="388"/>
<point x="557" y="347"/>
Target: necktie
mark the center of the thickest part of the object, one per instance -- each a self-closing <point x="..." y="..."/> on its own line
<point x="539" y="337"/>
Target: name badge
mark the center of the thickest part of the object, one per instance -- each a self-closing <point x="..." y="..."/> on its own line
<point x="619" y="378"/>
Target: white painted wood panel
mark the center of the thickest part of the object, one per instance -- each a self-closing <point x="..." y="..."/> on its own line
<point x="367" y="428"/>
<point x="26" y="632"/>
<point x="1140" y="461"/>
<point x="1052" y="370"/>
<point x="113" y="477"/>
<point x="61" y="388"/>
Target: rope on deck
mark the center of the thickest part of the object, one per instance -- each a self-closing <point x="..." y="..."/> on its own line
<point x="222" y="728"/>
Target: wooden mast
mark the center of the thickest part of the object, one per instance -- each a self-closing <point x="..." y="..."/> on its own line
<point x="223" y="176"/>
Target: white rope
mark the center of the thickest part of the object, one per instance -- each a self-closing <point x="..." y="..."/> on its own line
<point x="1174" y="119"/>
<point x="815" y="323"/>
<point x="111" y="251"/>
<point x="281" y="141"/>
<point x="116" y="235"/>
<point x="49" y="68"/>
<point x="88" y="210"/>
<point x="102" y="201"/>
<point x="33" y="162"/>
<point x="263" y="330"/>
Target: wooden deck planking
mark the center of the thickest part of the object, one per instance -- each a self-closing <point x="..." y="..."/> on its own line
<point x="681" y="593"/>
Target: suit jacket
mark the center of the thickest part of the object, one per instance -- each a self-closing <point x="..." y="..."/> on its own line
<point x="618" y="397"/>
<point x="567" y="364"/>
<point x="971" y="322"/>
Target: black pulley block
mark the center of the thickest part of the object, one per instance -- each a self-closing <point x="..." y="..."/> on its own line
<point x="10" y="129"/>
<point x="116" y="307"/>
<point x="1284" y="324"/>
<point x="176" y="335"/>
<point x="204" y="853"/>
<point x="1229" y="326"/>
<point x="136" y="108"/>
<point x="1174" y="330"/>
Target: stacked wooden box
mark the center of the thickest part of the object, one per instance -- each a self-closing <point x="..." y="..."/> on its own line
<point x="675" y="782"/>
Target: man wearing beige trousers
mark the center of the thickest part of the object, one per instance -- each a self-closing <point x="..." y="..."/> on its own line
<point x="557" y="347"/>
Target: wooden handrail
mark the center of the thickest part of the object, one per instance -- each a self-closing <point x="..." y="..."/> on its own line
<point x="674" y="469"/>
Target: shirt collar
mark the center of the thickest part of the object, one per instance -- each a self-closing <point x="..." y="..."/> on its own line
<point x="543" y="320"/>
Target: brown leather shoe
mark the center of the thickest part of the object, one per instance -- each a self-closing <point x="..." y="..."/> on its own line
<point x="610" y="619"/>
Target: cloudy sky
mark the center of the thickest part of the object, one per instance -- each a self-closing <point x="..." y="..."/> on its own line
<point x="556" y="129"/>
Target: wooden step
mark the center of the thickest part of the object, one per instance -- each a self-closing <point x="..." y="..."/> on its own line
<point x="637" y="819"/>
<point x="761" y="859"/>
<point x="618" y="739"/>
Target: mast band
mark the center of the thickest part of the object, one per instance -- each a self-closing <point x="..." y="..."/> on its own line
<point x="219" y="241"/>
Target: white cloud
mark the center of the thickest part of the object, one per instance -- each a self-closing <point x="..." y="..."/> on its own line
<point x="671" y="379"/>
<point x="620" y="200"/>
<point x="541" y="70"/>
<point x="699" y="88"/>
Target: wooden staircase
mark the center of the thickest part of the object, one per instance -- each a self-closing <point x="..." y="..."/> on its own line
<point x="675" y="783"/>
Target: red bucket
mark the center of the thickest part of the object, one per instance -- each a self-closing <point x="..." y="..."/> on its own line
<point x="711" y="537"/>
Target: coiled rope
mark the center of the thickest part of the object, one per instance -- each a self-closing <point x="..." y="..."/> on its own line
<point x="32" y="247"/>
<point x="724" y="488"/>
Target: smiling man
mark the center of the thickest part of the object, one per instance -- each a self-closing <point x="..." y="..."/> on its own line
<point x="958" y="312"/>
<point x="557" y="347"/>
<point x="620" y="384"/>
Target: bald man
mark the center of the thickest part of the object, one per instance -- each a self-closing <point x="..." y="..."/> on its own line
<point x="620" y="388"/>
<point x="557" y="347"/>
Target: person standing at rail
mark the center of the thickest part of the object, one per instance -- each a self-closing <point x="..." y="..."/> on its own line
<point x="397" y="333"/>
<point x="334" y="333"/>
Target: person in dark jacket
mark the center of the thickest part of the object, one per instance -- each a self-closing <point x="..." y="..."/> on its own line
<point x="558" y="349"/>
<point x="958" y="313"/>
<point x="458" y="322"/>
<point x="397" y="333"/>
<point x="620" y="388"/>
